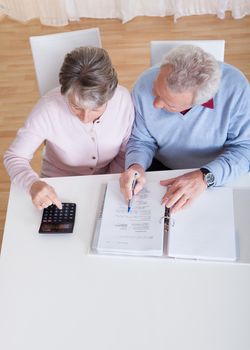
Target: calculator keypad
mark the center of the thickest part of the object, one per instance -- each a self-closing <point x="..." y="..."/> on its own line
<point x="56" y="220"/>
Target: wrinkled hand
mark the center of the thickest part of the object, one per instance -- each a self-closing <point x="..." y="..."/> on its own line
<point x="127" y="178"/>
<point x="44" y="195"/>
<point x="182" y="190"/>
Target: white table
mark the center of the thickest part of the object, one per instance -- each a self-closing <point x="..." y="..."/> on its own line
<point x="54" y="295"/>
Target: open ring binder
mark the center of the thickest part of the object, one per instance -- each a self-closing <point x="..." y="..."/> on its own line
<point x="204" y="230"/>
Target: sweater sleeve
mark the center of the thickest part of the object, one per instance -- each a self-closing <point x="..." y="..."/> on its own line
<point x="235" y="157"/>
<point x="18" y="156"/>
<point x="141" y="146"/>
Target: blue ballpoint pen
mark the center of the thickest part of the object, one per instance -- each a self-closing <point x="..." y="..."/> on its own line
<point x="133" y="187"/>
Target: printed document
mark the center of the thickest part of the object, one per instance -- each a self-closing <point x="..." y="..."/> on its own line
<point x="139" y="232"/>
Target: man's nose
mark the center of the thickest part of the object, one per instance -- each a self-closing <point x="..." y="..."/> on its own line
<point x="158" y="103"/>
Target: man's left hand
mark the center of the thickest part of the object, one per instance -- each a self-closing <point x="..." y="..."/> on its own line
<point x="182" y="190"/>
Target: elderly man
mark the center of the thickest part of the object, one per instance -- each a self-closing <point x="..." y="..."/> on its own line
<point x="191" y="112"/>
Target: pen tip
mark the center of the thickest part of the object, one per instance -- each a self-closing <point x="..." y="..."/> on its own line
<point x="129" y="209"/>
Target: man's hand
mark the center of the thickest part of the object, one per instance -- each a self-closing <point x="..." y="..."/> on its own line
<point x="44" y="195"/>
<point x="182" y="190"/>
<point x="127" y="178"/>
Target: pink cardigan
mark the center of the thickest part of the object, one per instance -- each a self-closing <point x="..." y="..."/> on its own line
<point x="72" y="147"/>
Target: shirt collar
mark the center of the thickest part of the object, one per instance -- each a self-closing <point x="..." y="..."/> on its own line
<point x="208" y="104"/>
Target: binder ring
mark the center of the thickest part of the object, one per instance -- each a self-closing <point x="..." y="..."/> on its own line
<point x="168" y="217"/>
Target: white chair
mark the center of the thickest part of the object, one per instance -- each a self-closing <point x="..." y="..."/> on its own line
<point x="48" y="53"/>
<point x="158" y="49"/>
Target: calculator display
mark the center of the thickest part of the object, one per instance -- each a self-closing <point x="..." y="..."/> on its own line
<point x="56" y="220"/>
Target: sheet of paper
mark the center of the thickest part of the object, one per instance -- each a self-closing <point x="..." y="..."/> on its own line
<point x="205" y="230"/>
<point x="139" y="232"/>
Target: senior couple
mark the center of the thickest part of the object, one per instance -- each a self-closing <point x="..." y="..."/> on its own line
<point x="190" y="112"/>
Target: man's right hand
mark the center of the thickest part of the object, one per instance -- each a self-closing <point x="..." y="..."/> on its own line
<point x="127" y="178"/>
<point x="44" y="195"/>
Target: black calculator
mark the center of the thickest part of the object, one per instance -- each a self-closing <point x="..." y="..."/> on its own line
<point x="56" y="220"/>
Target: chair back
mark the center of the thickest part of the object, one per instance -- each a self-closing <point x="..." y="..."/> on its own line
<point x="158" y="49"/>
<point x="48" y="53"/>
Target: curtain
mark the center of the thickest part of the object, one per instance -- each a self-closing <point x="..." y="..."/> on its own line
<point x="60" y="12"/>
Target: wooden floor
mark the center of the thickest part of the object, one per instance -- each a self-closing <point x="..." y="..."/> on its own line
<point x="128" y="45"/>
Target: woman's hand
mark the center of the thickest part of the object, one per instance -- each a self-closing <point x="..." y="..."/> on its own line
<point x="44" y="195"/>
<point x="182" y="190"/>
<point x="137" y="172"/>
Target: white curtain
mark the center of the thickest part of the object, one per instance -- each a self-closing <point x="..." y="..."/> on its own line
<point x="60" y="12"/>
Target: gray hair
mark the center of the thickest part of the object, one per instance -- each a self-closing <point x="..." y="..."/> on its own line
<point x="88" y="75"/>
<point x="192" y="69"/>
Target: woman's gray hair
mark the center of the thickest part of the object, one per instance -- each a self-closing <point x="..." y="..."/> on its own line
<point x="87" y="74"/>
<point x="192" y="69"/>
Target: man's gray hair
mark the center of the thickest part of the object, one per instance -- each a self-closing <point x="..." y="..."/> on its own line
<point x="87" y="74"/>
<point x="192" y="69"/>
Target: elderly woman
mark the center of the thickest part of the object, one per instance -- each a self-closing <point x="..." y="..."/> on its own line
<point x="86" y="123"/>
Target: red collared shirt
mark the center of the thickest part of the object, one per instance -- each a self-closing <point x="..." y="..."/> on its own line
<point x="208" y="104"/>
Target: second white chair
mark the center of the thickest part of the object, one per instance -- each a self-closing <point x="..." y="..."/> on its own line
<point x="48" y="53"/>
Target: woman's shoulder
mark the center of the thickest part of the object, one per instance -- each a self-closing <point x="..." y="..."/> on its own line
<point x="121" y="102"/>
<point x="122" y="94"/>
<point x="53" y="101"/>
<point x="121" y="91"/>
<point x="53" y="96"/>
<point x="49" y="107"/>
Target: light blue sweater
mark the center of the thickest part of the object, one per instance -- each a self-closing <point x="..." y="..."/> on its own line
<point x="218" y="139"/>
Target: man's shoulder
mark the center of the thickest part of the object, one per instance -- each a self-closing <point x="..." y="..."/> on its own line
<point x="231" y="74"/>
<point x="234" y="86"/>
<point x="147" y="77"/>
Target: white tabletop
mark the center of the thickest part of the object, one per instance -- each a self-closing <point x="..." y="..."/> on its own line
<point x="55" y="295"/>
